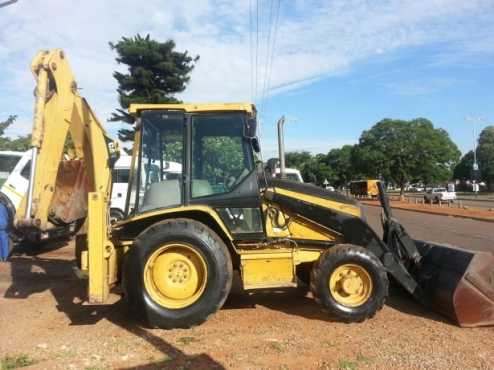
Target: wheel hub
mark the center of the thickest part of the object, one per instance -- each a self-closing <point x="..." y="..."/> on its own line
<point x="175" y="275"/>
<point x="350" y="285"/>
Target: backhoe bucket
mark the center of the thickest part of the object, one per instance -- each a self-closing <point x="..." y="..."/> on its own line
<point x="457" y="282"/>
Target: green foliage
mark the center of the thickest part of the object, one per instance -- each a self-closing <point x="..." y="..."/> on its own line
<point x="14" y="362"/>
<point x="341" y="162"/>
<point x="19" y="144"/>
<point x="405" y="151"/>
<point x="463" y="170"/>
<point x="313" y="169"/>
<point x="394" y="150"/>
<point x="187" y="340"/>
<point x="222" y="157"/>
<point x="485" y="154"/>
<point x="156" y="72"/>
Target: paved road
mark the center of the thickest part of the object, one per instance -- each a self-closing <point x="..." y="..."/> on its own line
<point x="470" y="202"/>
<point x="478" y="235"/>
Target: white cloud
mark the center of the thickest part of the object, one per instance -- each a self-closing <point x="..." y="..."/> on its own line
<point x="316" y="39"/>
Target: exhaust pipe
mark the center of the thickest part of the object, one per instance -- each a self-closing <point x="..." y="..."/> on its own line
<point x="281" y="147"/>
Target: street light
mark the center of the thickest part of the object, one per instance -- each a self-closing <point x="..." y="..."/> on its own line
<point x="475" y="172"/>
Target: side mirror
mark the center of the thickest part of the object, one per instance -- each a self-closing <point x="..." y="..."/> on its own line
<point x="250" y="128"/>
<point x="255" y="144"/>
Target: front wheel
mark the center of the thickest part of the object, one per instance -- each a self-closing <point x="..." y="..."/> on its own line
<point x="350" y="282"/>
<point x="179" y="272"/>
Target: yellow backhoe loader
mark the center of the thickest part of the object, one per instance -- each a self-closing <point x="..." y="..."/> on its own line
<point x="183" y="236"/>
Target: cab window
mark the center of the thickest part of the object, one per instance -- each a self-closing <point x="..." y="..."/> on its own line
<point x="221" y="156"/>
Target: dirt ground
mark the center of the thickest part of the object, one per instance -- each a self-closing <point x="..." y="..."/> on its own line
<point x="44" y="325"/>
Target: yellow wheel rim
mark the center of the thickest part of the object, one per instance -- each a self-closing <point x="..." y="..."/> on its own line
<point x="350" y="285"/>
<point x="175" y="275"/>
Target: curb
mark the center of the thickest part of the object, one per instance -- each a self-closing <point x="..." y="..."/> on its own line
<point x="436" y="213"/>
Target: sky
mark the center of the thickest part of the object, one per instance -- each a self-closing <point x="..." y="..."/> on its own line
<point x="333" y="68"/>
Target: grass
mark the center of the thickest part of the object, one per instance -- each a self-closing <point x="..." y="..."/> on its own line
<point x="278" y="347"/>
<point x="187" y="340"/>
<point x="354" y="364"/>
<point x="348" y="365"/>
<point x="10" y="362"/>
<point x="363" y="359"/>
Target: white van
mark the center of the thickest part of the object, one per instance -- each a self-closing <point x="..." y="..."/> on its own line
<point x="8" y="161"/>
<point x="120" y="178"/>
<point x="16" y="181"/>
<point x="291" y="174"/>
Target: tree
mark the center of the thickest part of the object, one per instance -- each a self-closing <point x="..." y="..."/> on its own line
<point x="463" y="170"/>
<point x="313" y="169"/>
<point x="297" y="159"/>
<point x="19" y="144"/>
<point x="341" y="162"/>
<point x="404" y="151"/>
<point x="156" y="72"/>
<point x="485" y="155"/>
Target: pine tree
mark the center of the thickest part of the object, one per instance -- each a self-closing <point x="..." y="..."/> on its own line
<point x="156" y="72"/>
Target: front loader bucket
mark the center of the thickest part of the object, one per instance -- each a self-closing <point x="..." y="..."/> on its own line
<point x="457" y="282"/>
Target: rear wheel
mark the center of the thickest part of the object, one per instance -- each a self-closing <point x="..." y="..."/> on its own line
<point x="350" y="282"/>
<point x="179" y="272"/>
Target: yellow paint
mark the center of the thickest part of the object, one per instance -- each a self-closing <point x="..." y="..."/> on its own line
<point x="99" y="249"/>
<point x="276" y="221"/>
<point x="175" y="275"/>
<point x="302" y="256"/>
<point x="179" y="210"/>
<point x="273" y="268"/>
<point x="59" y="109"/>
<point x="350" y="285"/>
<point x="337" y="206"/>
<point x="267" y="270"/>
<point x="194" y="108"/>
<point x="301" y="228"/>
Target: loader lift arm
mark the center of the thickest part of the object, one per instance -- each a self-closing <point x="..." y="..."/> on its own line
<point x="67" y="191"/>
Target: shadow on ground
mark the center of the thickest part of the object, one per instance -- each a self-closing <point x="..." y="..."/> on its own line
<point x="31" y="272"/>
<point x="35" y="271"/>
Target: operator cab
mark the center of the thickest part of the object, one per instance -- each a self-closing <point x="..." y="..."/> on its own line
<point x="214" y="148"/>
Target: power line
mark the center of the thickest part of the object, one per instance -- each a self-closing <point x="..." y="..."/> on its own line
<point x="268" y="54"/>
<point x="257" y="49"/>
<point x="273" y="51"/>
<point x="251" y="54"/>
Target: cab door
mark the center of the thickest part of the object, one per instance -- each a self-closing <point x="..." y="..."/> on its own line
<point x="223" y="172"/>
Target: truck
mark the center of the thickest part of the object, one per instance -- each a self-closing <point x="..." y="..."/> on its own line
<point x="364" y="188"/>
<point x="174" y="252"/>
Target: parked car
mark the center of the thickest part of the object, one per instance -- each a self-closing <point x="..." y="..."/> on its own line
<point x="435" y="195"/>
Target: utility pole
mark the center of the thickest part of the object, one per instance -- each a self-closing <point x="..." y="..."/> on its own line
<point x="475" y="167"/>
